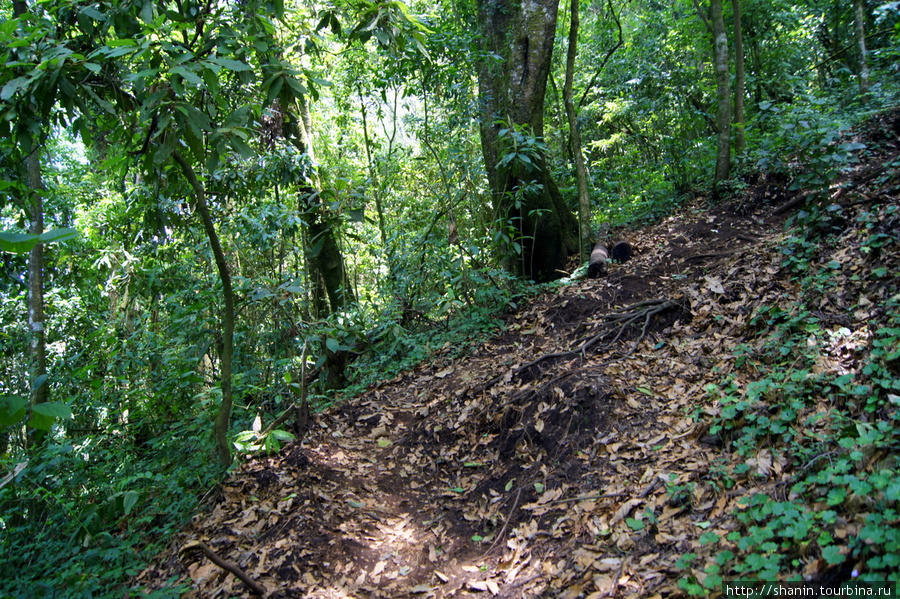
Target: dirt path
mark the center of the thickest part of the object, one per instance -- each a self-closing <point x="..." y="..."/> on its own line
<point x="511" y="473"/>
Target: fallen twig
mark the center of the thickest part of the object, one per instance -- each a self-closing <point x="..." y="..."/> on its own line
<point x="502" y="532"/>
<point x="225" y="564"/>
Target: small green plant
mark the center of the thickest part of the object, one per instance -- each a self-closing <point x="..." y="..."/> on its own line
<point x="806" y="140"/>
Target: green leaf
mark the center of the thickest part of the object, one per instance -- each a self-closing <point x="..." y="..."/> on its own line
<point x="44" y="415"/>
<point x="93" y="13"/>
<point x="188" y="75"/>
<point x="283" y="435"/>
<point x="833" y="555"/>
<point x="294" y="84"/>
<point x="332" y="344"/>
<point x="12" y="409"/>
<point x="55" y="235"/>
<point x="129" y="500"/>
<point x="836" y="496"/>
<point x="12" y="86"/>
<point x="634" y="524"/>
<point x="231" y="64"/>
<point x="147" y="11"/>
<point x="17" y="243"/>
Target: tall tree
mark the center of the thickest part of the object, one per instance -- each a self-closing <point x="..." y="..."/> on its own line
<point x="38" y="346"/>
<point x="584" y="200"/>
<point x="517" y="48"/>
<point x="739" y="83"/>
<point x="860" y="25"/>
<point x="715" y="22"/>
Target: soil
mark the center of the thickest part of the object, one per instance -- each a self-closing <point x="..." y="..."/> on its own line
<point x="541" y="465"/>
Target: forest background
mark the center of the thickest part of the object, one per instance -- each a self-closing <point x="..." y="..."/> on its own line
<point x="211" y="212"/>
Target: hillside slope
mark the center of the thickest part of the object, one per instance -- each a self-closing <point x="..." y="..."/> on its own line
<point x="585" y="452"/>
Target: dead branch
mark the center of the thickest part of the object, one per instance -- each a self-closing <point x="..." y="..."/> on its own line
<point x="502" y="532"/>
<point x="225" y="564"/>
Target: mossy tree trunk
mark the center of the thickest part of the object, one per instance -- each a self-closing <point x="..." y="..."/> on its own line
<point x="518" y="41"/>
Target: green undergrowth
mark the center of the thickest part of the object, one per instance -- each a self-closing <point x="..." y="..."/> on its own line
<point x="397" y="346"/>
<point x="810" y="415"/>
<point x="83" y="518"/>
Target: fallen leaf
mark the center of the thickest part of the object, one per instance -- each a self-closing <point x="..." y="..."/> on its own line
<point x="714" y="284"/>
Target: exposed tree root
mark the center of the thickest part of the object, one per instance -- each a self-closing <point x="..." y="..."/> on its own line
<point x="615" y="322"/>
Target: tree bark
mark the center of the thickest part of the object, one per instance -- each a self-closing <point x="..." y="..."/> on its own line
<point x="715" y="22"/>
<point x="223" y="418"/>
<point x="739" y="84"/>
<point x="518" y="44"/>
<point x="723" y="88"/>
<point x="861" y="46"/>
<point x="584" y="200"/>
<point x="323" y="251"/>
<point x="38" y="342"/>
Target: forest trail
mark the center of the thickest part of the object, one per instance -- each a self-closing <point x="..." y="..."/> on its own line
<point x="557" y="460"/>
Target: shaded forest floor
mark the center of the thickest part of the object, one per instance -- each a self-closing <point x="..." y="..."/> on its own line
<point x="558" y="460"/>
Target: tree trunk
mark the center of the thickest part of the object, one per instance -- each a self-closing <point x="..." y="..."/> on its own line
<point x="323" y="252"/>
<point x="38" y="344"/>
<point x="511" y="90"/>
<point x="861" y="46"/>
<point x="739" y="85"/>
<point x="223" y="418"/>
<point x="584" y="201"/>
<point x="324" y="257"/>
<point x="715" y="22"/>
<point x="723" y="88"/>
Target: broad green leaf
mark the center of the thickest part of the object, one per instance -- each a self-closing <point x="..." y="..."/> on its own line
<point x="44" y="415"/>
<point x="129" y="500"/>
<point x="62" y="234"/>
<point x="332" y="344"/>
<point x="12" y="409"/>
<point x="283" y="435"/>
<point x="188" y="75"/>
<point x="17" y="243"/>
<point x="294" y="84"/>
<point x="634" y="524"/>
<point x="147" y="12"/>
<point x="231" y="64"/>
<point x="12" y="86"/>
<point x="93" y="13"/>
